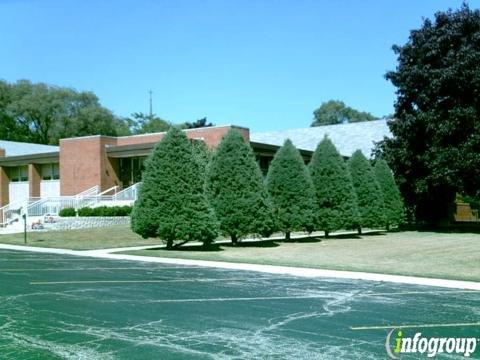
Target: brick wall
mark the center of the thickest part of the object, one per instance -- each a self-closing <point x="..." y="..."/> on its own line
<point x="84" y="162"/>
<point x="34" y="178"/>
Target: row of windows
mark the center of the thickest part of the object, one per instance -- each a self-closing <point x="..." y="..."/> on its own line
<point x="47" y="172"/>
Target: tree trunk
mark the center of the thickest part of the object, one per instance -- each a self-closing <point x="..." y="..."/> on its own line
<point x="287" y="236"/>
<point x="327" y="234"/>
<point x="388" y="227"/>
<point x="234" y="239"/>
<point x="359" y="230"/>
<point x="169" y="244"/>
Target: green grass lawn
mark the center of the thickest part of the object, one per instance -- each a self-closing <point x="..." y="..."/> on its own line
<point x="427" y="254"/>
<point x="88" y="239"/>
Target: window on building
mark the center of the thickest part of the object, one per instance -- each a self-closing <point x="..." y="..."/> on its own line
<point x="50" y="172"/>
<point x="18" y="173"/>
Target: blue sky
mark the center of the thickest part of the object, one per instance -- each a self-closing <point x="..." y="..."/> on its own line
<point x="264" y="64"/>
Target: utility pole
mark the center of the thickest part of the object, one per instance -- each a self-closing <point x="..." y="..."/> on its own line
<point x="151" y="107"/>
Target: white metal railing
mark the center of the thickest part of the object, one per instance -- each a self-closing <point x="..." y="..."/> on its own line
<point x="91" y="191"/>
<point x="128" y="194"/>
<point x="89" y="198"/>
<point x="53" y="204"/>
<point x="11" y="212"/>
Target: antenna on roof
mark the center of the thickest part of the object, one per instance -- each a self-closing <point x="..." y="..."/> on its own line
<point x="151" y="107"/>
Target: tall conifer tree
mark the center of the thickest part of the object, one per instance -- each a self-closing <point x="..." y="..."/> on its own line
<point x="369" y="195"/>
<point x="335" y="195"/>
<point x="236" y="190"/>
<point x="291" y="191"/>
<point x="394" y="209"/>
<point x="171" y="203"/>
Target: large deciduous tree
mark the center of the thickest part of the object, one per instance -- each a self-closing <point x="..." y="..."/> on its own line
<point x="435" y="149"/>
<point x="291" y="191"/>
<point x="369" y="196"/>
<point x="172" y="204"/>
<point x="394" y="214"/>
<point x="41" y="113"/>
<point x="336" y="112"/>
<point x="236" y="190"/>
<point x="335" y="195"/>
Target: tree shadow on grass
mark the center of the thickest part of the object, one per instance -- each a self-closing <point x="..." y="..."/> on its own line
<point x="305" y="239"/>
<point x="343" y="236"/>
<point x="259" y="244"/>
<point x="197" y="248"/>
<point x="375" y="233"/>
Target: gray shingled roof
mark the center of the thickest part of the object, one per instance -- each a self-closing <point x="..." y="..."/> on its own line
<point x="346" y="137"/>
<point x="14" y="148"/>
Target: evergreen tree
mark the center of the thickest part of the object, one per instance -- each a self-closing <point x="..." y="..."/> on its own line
<point x="291" y="191"/>
<point x="171" y="202"/>
<point x="202" y="154"/>
<point x="335" y="195"/>
<point x="392" y="199"/>
<point x="236" y="190"/>
<point x="369" y="195"/>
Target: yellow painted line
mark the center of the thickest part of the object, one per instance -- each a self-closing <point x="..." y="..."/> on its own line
<point x="418" y="292"/>
<point x="383" y="327"/>
<point x="131" y="281"/>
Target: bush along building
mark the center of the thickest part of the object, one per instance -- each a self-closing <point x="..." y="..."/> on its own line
<point x="93" y="171"/>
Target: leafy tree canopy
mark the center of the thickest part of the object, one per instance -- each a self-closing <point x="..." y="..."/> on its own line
<point x="41" y="113"/>
<point x="291" y="191"/>
<point x="200" y="123"/>
<point x="336" y="112"/>
<point x="435" y="149"/>
<point x="141" y="123"/>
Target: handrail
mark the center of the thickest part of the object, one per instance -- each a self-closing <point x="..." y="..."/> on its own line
<point x="109" y="190"/>
<point x="94" y="189"/>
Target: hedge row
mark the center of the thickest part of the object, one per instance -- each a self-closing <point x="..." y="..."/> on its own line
<point x="97" y="211"/>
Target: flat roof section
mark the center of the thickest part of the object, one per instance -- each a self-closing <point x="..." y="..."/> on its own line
<point x="16" y="148"/>
<point x="39" y="158"/>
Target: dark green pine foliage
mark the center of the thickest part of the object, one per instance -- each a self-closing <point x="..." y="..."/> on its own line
<point x="171" y="203"/>
<point x="202" y="155"/>
<point x="236" y="190"/>
<point x="369" y="195"/>
<point x="336" y="198"/>
<point x="394" y="209"/>
<point x="291" y="191"/>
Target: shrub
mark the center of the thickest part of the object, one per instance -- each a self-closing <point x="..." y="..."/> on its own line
<point x="67" y="212"/>
<point x="105" y="211"/>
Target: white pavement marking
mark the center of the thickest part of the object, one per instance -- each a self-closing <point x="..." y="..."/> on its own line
<point x="271" y="269"/>
<point x="383" y="327"/>
<point x="105" y="268"/>
<point x="418" y="292"/>
<point x="237" y="299"/>
<point x="134" y="281"/>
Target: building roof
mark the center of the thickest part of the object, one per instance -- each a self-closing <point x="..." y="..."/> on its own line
<point x="347" y="137"/>
<point x="14" y="148"/>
